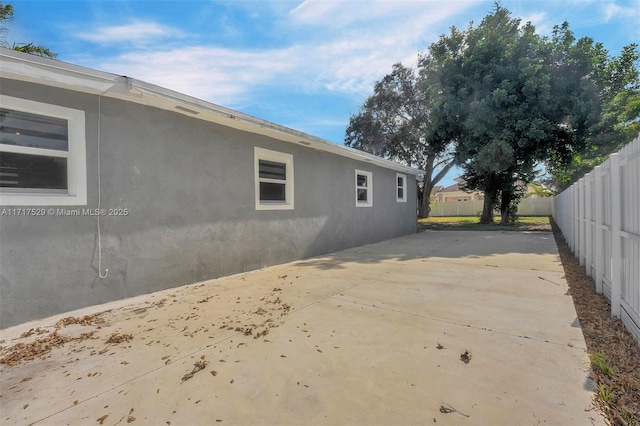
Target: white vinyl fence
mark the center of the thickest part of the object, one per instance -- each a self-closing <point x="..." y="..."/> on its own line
<point x="599" y="217"/>
<point x="526" y="207"/>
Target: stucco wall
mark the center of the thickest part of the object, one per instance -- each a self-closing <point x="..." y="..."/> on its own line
<point x="189" y="188"/>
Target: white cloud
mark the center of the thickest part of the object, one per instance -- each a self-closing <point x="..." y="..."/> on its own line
<point x="361" y="45"/>
<point x="383" y="14"/>
<point x="361" y="40"/>
<point x="612" y="10"/>
<point x="133" y="32"/>
<point x="219" y="75"/>
<point x="539" y="20"/>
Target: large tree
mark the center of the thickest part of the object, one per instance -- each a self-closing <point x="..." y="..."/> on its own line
<point x="605" y="114"/>
<point x="517" y="100"/>
<point x="6" y="15"/>
<point x="497" y="79"/>
<point x="396" y="123"/>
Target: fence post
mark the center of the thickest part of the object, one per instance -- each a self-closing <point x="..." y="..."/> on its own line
<point x="588" y="228"/>
<point x="576" y="219"/>
<point x="598" y="230"/>
<point x="616" y="239"/>
<point x="581" y="221"/>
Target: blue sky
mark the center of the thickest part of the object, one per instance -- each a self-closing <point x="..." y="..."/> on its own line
<point x="306" y="64"/>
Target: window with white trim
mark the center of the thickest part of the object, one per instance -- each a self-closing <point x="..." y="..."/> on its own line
<point x="364" y="189"/>
<point x="42" y="154"/>
<point x="401" y="188"/>
<point x="273" y="180"/>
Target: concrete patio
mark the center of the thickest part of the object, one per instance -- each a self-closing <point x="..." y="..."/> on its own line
<point x="370" y="335"/>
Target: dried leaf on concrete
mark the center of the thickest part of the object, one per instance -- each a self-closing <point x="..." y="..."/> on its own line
<point x="119" y="338"/>
<point x="200" y="365"/>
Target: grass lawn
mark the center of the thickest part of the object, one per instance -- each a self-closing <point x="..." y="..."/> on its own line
<point x="471" y="223"/>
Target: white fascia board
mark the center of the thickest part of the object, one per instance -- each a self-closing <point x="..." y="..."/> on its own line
<point x="25" y="67"/>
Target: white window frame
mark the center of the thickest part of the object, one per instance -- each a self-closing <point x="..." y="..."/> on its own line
<point x="278" y="157"/>
<point x="369" y="188"/>
<point x="76" y="193"/>
<point x="402" y="199"/>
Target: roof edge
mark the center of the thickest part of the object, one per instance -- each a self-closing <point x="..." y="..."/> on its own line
<point x="25" y="67"/>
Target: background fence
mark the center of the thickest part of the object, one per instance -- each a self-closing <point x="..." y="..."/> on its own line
<point x="526" y="207"/>
<point x="599" y="217"/>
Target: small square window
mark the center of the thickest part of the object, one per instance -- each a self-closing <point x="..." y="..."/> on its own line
<point x="42" y="154"/>
<point x="401" y="188"/>
<point x="273" y="180"/>
<point x="364" y="189"/>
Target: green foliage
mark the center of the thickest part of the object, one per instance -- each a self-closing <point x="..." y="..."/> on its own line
<point x="602" y="107"/>
<point x="601" y="363"/>
<point x="605" y="393"/>
<point x="500" y="105"/>
<point x="6" y="14"/>
<point x="541" y="191"/>
<point x="392" y="122"/>
<point x="629" y="418"/>
<point x="395" y="123"/>
<point x="505" y="100"/>
<point x="513" y="99"/>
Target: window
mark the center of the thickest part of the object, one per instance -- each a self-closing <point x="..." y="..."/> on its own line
<point x="274" y="180"/>
<point x="364" y="189"/>
<point x="42" y="154"/>
<point x="401" y="188"/>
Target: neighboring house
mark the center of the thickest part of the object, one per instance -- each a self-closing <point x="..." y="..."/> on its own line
<point x="111" y="187"/>
<point x="454" y="193"/>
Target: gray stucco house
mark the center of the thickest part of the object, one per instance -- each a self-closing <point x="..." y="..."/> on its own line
<point x="111" y="187"/>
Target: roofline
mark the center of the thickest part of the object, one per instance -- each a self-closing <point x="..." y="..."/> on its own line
<point x="20" y="66"/>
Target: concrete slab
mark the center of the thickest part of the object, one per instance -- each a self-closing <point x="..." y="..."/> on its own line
<point x="371" y="335"/>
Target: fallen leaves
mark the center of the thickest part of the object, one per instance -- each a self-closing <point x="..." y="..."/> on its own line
<point x="199" y="365"/>
<point x="102" y="419"/>
<point x="84" y="320"/>
<point x="261" y="333"/>
<point x="41" y="346"/>
<point x="119" y="338"/>
<point x="130" y="418"/>
<point x="449" y="409"/>
<point x="33" y="331"/>
<point x="605" y="334"/>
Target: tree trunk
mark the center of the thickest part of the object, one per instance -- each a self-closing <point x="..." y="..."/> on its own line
<point x="507" y="198"/>
<point x="487" y="211"/>
<point x="427" y="186"/>
<point x="504" y="217"/>
<point x="428" y="183"/>
<point x="425" y="205"/>
<point x="505" y="201"/>
<point x="422" y="208"/>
